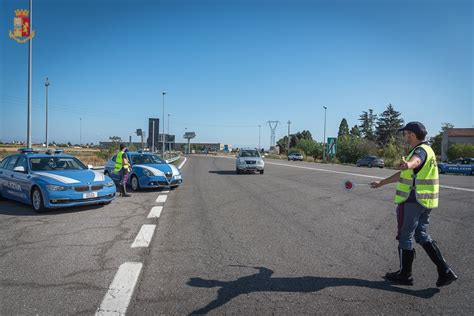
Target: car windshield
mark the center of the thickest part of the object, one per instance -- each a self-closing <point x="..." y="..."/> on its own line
<point x="249" y="153"/>
<point x="146" y="160"/>
<point x="55" y="164"/>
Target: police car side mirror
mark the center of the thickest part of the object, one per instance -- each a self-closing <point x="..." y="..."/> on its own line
<point x="90" y="167"/>
<point x="19" y="169"/>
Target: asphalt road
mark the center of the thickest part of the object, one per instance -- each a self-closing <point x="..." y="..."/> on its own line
<point x="291" y="241"/>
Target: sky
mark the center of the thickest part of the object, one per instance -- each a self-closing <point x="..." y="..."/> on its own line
<point x="228" y="66"/>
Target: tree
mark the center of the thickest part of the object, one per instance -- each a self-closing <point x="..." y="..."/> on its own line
<point x="460" y="150"/>
<point x="387" y="125"/>
<point x="350" y="148"/>
<point x="438" y="139"/>
<point x="355" y="131"/>
<point x="367" y="125"/>
<point x="115" y="139"/>
<point x="343" y="129"/>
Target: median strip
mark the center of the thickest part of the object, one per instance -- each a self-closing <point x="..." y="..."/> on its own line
<point x="144" y="236"/>
<point x="120" y="292"/>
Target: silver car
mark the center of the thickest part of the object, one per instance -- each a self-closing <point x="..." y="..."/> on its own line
<point x="249" y="160"/>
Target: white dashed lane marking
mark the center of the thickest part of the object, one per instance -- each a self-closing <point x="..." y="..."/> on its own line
<point x="144" y="236"/>
<point x="155" y="212"/>
<point x="121" y="290"/>
<point x="161" y="199"/>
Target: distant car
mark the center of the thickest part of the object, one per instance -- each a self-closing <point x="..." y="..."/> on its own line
<point x="52" y="179"/>
<point x="148" y="171"/>
<point x="249" y="160"/>
<point x="295" y="157"/>
<point x="459" y="166"/>
<point x="371" y="161"/>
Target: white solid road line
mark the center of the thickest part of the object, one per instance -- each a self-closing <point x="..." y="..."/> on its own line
<point x="155" y="212"/>
<point x="120" y="292"/>
<point x="358" y="175"/>
<point x="182" y="164"/>
<point x="161" y="198"/>
<point x="165" y="191"/>
<point x="144" y="236"/>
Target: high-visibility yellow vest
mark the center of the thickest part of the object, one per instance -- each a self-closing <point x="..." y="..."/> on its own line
<point x="426" y="181"/>
<point x="118" y="162"/>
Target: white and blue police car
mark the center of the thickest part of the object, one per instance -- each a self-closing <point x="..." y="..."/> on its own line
<point x="52" y="179"/>
<point x="148" y="171"/>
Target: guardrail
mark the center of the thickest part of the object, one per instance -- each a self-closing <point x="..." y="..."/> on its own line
<point x="171" y="160"/>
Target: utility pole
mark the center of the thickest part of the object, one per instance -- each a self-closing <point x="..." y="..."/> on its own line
<point x="46" y="84"/>
<point x="169" y="143"/>
<point x="324" y="135"/>
<point x="80" y="131"/>
<point x="259" y="147"/>
<point x="288" y="144"/>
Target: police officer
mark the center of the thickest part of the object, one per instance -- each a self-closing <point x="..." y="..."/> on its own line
<point x="416" y="195"/>
<point x="121" y="167"/>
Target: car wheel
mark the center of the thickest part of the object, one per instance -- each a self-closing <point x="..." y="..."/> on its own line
<point x="440" y="171"/>
<point x="106" y="173"/>
<point x="134" y="183"/>
<point x="237" y="170"/>
<point x="261" y="171"/>
<point x="37" y="200"/>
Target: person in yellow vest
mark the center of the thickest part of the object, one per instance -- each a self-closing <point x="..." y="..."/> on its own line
<point x="416" y="195"/>
<point x="122" y="166"/>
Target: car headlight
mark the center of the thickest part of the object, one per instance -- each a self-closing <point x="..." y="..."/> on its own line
<point x="147" y="172"/>
<point x="109" y="184"/>
<point x="242" y="162"/>
<point x="177" y="177"/>
<point x="52" y="187"/>
<point x="260" y="162"/>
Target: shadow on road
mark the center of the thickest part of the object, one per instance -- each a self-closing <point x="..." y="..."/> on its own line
<point x="263" y="282"/>
<point x="20" y="209"/>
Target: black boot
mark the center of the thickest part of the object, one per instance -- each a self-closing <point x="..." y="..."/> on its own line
<point x="124" y="191"/>
<point x="403" y="276"/>
<point x="445" y="274"/>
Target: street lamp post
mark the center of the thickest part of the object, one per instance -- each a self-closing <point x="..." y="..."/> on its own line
<point x="46" y="84"/>
<point x="169" y="144"/>
<point x="324" y="134"/>
<point x="163" y="122"/>
<point x="288" y="144"/>
<point x="259" y="147"/>
<point x="80" y="131"/>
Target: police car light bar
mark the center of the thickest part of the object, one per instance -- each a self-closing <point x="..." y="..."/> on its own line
<point x="26" y="150"/>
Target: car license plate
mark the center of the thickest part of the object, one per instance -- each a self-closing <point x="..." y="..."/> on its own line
<point x="89" y="195"/>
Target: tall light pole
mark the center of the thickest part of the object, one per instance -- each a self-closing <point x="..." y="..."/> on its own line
<point x="169" y="145"/>
<point x="164" y="92"/>
<point x="259" y="148"/>
<point x="288" y="144"/>
<point x="80" y="131"/>
<point x="30" y="77"/>
<point x="324" y="134"/>
<point x="46" y="84"/>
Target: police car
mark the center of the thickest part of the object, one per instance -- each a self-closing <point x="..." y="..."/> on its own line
<point x="52" y="179"/>
<point x="148" y="171"/>
<point x="460" y="166"/>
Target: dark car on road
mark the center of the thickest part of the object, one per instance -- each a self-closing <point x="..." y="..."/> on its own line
<point x="371" y="161"/>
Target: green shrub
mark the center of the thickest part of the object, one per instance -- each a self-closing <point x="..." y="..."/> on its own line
<point x="460" y="150"/>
